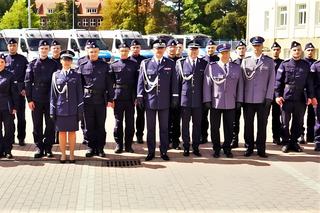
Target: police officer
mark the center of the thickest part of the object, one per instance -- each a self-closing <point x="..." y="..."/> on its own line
<point x="66" y="104"/>
<point x="315" y="70"/>
<point x="17" y="64"/>
<point x="293" y="77"/>
<point x="210" y="57"/>
<point x="222" y="92"/>
<point x="85" y="57"/>
<point x="174" y="113"/>
<point x="258" y="70"/>
<point x="98" y="91"/>
<point x="124" y="73"/>
<point x="241" y="50"/>
<point x="8" y="98"/>
<point x="157" y="87"/>
<point x="38" y="83"/>
<point x="135" y="48"/>
<point x="276" y="111"/>
<point x="190" y="71"/>
<point x="179" y="52"/>
<point x="309" y="52"/>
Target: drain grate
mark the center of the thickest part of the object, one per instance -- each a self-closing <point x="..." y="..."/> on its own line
<point x="121" y="163"/>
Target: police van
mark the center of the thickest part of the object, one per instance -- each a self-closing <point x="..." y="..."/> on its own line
<point x="76" y="40"/>
<point x="28" y="40"/>
<point x="3" y="44"/>
<point x="114" y="38"/>
<point x="201" y="39"/>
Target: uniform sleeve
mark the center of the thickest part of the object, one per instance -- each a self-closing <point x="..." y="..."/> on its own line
<point x="14" y="95"/>
<point x="28" y="81"/>
<point x="279" y="82"/>
<point x="140" y="85"/>
<point x="207" y="85"/>
<point x="53" y="96"/>
<point x="179" y="70"/>
<point x="174" y="83"/>
<point x="136" y="79"/>
<point x="25" y="68"/>
<point x="109" y="93"/>
<point x="310" y="84"/>
<point x="79" y="95"/>
<point x="270" y="89"/>
<point x="240" y="87"/>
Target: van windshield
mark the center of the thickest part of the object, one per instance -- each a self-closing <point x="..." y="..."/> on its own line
<point x="143" y="42"/>
<point x="99" y="42"/>
<point x="3" y="45"/>
<point x="34" y="42"/>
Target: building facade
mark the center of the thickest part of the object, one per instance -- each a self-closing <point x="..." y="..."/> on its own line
<point x="284" y="21"/>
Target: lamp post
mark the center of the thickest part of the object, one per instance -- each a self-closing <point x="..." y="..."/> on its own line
<point x="179" y="3"/>
<point x="73" y="2"/>
<point x="29" y="14"/>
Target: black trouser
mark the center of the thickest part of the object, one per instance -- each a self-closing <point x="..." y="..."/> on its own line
<point x="94" y="118"/>
<point x="204" y="124"/>
<point x="249" y="112"/>
<point x="140" y="122"/>
<point x="125" y="108"/>
<point x="21" y="117"/>
<point x="317" y="127"/>
<point x="186" y="114"/>
<point x="311" y="116"/>
<point x="6" y="138"/>
<point x="84" y="130"/>
<point x="163" y="117"/>
<point x="296" y="110"/>
<point x="174" y="126"/>
<point x="42" y="140"/>
<point x="276" y="121"/>
<point x="236" y="125"/>
<point x="215" y="122"/>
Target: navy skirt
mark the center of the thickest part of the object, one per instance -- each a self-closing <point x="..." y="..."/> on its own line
<point x="67" y="123"/>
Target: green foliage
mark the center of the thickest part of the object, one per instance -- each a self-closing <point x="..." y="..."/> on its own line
<point x="4" y="6"/>
<point x="17" y="17"/>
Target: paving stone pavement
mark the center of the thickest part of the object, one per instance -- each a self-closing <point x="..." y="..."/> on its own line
<point x="282" y="183"/>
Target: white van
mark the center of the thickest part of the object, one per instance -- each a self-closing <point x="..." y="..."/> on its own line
<point x="28" y="40"/>
<point x="202" y="39"/>
<point x="3" y="44"/>
<point x="114" y="38"/>
<point x="76" y="40"/>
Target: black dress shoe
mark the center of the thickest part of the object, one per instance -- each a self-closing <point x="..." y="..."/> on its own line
<point x="234" y="145"/>
<point x="84" y="142"/>
<point x="38" y="154"/>
<point x="285" y="148"/>
<point x="72" y="161"/>
<point x="196" y="152"/>
<point x="262" y="155"/>
<point x="276" y="141"/>
<point x="9" y="155"/>
<point x="101" y="153"/>
<point x="118" y="149"/>
<point x="216" y="154"/>
<point x="229" y="154"/>
<point x="139" y="140"/>
<point x="296" y="147"/>
<point x="62" y="161"/>
<point x="49" y="154"/>
<point x="149" y="157"/>
<point x="22" y="143"/>
<point x="186" y="152"/>
<point x="248" y="153"/>
<point x="317" y="148"/>
<point x="203" y="141"/>
<point x="90" y="153"/>
<point x="129" y="149"/>
<point x="301" y="140"/>
<point x="165" y="157"/>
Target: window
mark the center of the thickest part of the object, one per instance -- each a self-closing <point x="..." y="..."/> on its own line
<point x="92" y="22"/>
<point x="84" y="22"/>
<point x="283" y="16"/>
<point x="99" y="22"/>
<point x="79" y="23"/>
<point x="266" y="20"/>
<point x="92" y="10"/>
<point x="301" y="14"/>
<point x="50" y="11"/>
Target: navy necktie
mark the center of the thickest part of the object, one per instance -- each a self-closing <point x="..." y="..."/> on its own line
<point x="257" y="61"/>
<point x="225" y="69"/>
<point x="193" y="65"/>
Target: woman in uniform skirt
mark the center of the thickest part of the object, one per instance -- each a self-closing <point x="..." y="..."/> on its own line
<point x="8" y="98"/>
<point x="66" y="104"/>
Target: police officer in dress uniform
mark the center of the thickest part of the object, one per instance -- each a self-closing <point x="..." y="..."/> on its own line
<point x="222" y="93"/>
<point x="276" y="111"/>
<point x="66" y="104"/>
<point x="135" y="48"/>
<point x="179" y="49"/>
<point x="38" y="83"/>
<point x="157" y="89"/>
<point x="190" y="71"/>
<point x="315" y="70"/>
<point x="8" y="100"/>
<point x="258" y="70"/>
<point x="309" y="52"/>
<point x="174" y="113"/>
<point x="210" y="57"/>
<point x="55" y="49"/>
<point x="241" y="50"/>
<point x="293" y="77"/>
<point x="124" y="73"/>
<point x="97" y="85"/>
<point x="17" y="64"/>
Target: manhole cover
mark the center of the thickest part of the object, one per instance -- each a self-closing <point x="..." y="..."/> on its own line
<point x="122" y="163"/>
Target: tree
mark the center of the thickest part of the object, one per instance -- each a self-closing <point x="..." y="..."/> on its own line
<point x="4" y="6"/>
<point x="61" y="18"/>
<point x="17" y="17"/>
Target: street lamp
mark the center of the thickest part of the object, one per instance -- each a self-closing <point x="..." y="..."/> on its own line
<point x="29" y="14"/>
